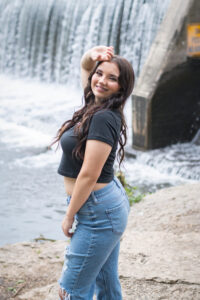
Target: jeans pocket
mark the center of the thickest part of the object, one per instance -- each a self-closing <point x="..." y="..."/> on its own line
<point x="118" y="217"/>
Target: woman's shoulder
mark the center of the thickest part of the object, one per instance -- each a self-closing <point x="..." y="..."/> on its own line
<point x="108" y="114"/>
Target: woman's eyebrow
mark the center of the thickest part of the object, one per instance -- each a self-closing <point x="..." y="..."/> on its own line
<point x="114" y="75"/>
<point x="108" y="74"/>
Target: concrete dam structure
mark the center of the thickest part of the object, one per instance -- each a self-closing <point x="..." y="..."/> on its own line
<point x="166" y="100"/>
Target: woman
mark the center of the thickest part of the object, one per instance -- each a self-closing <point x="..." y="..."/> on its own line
<point x="96" y="199"/>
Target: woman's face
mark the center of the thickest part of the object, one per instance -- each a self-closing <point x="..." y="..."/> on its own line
<point x="105" y="80"/>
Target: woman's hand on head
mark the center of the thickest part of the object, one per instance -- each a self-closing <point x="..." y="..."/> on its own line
<point x="102" y="53"/>
<point x="67" y="225"/>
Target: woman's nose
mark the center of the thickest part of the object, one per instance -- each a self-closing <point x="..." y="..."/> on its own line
<point x="102" y="79"/>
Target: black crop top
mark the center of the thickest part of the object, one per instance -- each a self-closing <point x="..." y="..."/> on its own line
<point x="104" y="126"/>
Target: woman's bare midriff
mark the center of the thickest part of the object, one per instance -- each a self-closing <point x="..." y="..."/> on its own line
<point x="70" y="182"/>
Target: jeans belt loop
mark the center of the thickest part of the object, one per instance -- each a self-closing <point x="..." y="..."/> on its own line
<point x="118" y="183"/>
<point x="94" y="197"/>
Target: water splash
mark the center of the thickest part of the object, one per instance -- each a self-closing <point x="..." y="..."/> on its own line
<point x="181" y="160"/>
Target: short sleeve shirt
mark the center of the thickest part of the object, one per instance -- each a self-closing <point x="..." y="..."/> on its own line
<point x="104" y="126"/>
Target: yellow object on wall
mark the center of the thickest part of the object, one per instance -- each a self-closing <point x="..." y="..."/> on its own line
<point x="193" y="40"/>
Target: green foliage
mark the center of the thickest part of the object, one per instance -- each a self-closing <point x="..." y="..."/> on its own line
<point x="20" y="281"/>
<point x="130" y="190"/>
<point x="11" y="289"/>
<point x="16" y="288"/>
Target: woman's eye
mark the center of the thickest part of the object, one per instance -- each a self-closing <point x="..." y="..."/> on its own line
<point x="98" y="73"/>
<point x="113" y="78"/>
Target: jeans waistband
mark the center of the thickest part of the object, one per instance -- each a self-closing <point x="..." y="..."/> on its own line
<point x="109" y="187"/>
<point x="105" y="190"/>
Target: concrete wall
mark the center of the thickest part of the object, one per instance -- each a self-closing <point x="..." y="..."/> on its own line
<point x="166" y="100"/>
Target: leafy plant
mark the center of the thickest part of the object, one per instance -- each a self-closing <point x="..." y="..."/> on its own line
<point x="20" y="281"/>
<point x="11" y="289"/>
<point x="130" y="190"/>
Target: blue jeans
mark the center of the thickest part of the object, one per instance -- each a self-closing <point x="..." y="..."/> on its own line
<point x="91" y="258"/>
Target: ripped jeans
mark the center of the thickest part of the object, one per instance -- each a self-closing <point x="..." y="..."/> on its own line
<point x="91" y="258"/>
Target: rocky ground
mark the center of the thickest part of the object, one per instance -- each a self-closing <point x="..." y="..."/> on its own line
<point x="159" y="258"/>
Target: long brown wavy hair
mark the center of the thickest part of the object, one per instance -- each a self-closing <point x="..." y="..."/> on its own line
<point x="81" y="118"/>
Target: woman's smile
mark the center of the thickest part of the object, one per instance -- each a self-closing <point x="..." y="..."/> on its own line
<point x="100" y="88"/>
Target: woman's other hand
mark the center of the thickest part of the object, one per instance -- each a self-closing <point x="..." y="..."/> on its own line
<point x="67" y="225"/>
<point x="100" y="53"/>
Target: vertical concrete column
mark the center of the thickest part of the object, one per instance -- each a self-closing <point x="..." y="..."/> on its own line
<point x="160" y="61"/>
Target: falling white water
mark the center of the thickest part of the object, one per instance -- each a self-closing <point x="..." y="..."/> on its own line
<point x="46" y="39"/>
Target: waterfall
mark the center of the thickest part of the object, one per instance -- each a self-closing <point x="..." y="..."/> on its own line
<point x="46" y="39"/>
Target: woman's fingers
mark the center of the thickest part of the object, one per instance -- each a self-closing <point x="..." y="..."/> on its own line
<point x="102" y="53"/>
<point x="67" y="226"/>
<point x="106" y="56"/>
<point x="67" y="233"/>
<point x="109" y="53"/>
<point x="110" y="49"/>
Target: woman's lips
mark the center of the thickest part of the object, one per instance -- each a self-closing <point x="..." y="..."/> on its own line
<point x="101" y="88"/>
